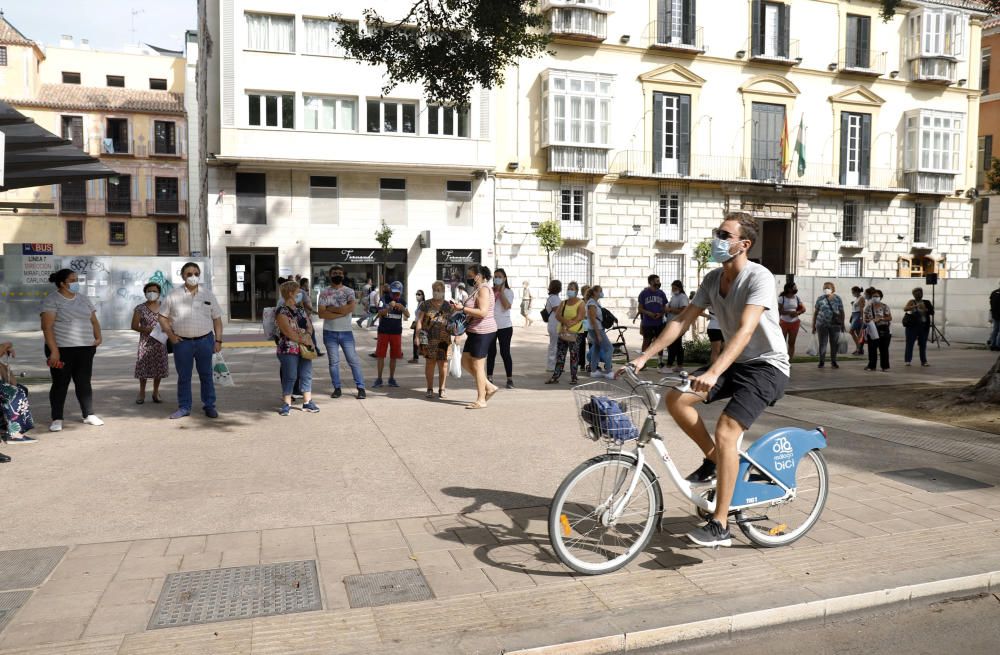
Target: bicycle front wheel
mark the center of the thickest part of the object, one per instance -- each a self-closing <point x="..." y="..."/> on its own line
<point x="584" y="534"/>
<point x="790" y="520"/>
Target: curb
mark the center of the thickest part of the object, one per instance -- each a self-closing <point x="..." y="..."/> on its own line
<point x="737" y="623"/>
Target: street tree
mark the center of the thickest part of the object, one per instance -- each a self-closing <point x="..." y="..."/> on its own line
<point x="448" y="46"/>
<point x="384" y="238"/>
<point x="549" y="235"/>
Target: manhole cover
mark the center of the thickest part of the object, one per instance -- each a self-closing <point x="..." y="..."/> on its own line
<point x="935" y="480"/>
<point x="374" y="589"/>
<point x="10" y="602"/>
<point x="24" y="569"/>
<point x="244" y="592"/>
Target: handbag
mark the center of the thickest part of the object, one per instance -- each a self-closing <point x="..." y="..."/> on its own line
<point x="307" y="352"/>
<point x="564" y="334"/>
<point x="908" y="319"/>
<point x="545" y="314"/>
<point x="15" y="410"/>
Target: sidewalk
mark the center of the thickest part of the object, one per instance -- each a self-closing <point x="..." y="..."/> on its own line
<point x="398" y="483"/>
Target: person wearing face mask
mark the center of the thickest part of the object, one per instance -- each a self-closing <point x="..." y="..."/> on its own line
<point x="857" y="324"/>
<point x="752" y="370"/>
<point x="293" y="340"/>
<point x="652" y="307"/>
<point x="72" y="335"/>
<point x="600" y="346"/>
<point x="480" y="332"/>
<point x="790" y="308"/>
<point x="192" y="319"/>
<point x="336" y="306"/>
<point x="390" y="332"/>
<point x="568" y="316"/>
<point x="503" y="300"/>
<point x="552" y="303"/>
<point x="413" y="327"/>
<point x="917" y="317"/>
<point x="678" y="303"/>
<point x="432" y="326"/>
<point x="151" y="361"/>
<point x="878" y="316"/>
<point x="828" y="319"/>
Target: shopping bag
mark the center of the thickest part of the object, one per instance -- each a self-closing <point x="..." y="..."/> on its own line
<point x="158" y="334"/>
<point x="871" y="332"/>
<point x="455" y="364"/>
<point x="813" y="348"/>
<point x="15" y="411"/>
<point x="842" y="343"/>
<point x="221" y="374"/>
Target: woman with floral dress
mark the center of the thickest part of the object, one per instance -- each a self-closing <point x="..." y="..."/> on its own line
<point x="151" y="361"/>
<point x="435" y="341"/>
<point x="292" y="321"/>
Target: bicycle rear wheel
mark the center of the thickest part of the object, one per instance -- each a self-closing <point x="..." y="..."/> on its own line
<point x="581" y="530"/>
<point x="792" y="519"/>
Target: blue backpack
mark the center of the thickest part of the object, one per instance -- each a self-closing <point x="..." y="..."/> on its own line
<point x="610" y="418"/>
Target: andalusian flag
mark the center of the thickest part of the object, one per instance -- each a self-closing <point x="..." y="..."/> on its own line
<point x="800" y="147"/>
<point x="785" y="151"/>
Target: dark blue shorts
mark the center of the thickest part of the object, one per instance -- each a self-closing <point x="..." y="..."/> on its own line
<point x="478" y="345"/>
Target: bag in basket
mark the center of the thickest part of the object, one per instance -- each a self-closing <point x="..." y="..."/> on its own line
<point x="220" y="371"/>
<point x="610" y="418"/>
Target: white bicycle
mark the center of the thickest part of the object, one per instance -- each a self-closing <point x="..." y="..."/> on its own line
<point x="606" y="510"/>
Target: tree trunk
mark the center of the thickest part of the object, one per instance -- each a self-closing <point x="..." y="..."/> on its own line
<point x="987" y="390"/>
<point x="548" y="259"/>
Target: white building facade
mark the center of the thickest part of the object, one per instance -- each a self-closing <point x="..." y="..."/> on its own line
<point x="306" y="160"/>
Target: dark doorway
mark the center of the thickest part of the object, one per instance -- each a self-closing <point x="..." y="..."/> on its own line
<point x="253" y="280"/>
<point x="775" y="240"/>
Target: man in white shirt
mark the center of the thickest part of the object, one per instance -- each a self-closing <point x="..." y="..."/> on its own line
<point x="336" y="304"/>
<point x="192" y="319"/>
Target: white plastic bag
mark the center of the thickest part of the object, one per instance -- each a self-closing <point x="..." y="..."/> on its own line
<point x="813" y="348"/>
<point x="455" y="364"/>
<point x="871" y="332"/>
<point x="842" y="343"/>
<point x="220" y="371"/>
<point x="159" y="334"/>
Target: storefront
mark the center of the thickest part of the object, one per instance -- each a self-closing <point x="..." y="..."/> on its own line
<point x="360" y="265"/>
<point x="453" y="264"/>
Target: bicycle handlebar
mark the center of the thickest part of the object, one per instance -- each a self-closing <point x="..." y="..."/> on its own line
<point x="635" y="381"/>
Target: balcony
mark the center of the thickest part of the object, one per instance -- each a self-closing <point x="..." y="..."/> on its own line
<point x="659" y="37"/>
<point x="639" y="164"/>
<point x="936" y="70"/>
<point x="774" y="54"/>
<point x="72" y="203"/>
<point x="861" y="62"/>
<point x="109" y="146"/>
<point x="574" y="230"/>
<point x="578" y="23"/>
<point x="166" y="207"/>
<point x="119" y="205"/>
<point x="573" y="159"/>
<point x="668" y="233"/>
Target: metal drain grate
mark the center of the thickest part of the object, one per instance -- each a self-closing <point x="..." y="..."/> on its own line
<point x="24" y="569"/>
<point x="388" y="588"/>
<point x="934" y="480"/>
<point x="10" y="602"/>
<point x="195" y="597"/>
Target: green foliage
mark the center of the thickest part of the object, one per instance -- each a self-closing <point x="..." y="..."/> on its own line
<point x="697" y="351"/>
<point x="702" y="255"/>
<point x="449" y="46"/>
<point x="549" y="235"/>
<point x="993" y="175"/>
<point x="384" y="236"/>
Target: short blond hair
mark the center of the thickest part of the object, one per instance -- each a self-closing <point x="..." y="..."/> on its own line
<point x="437" y="285"/>
<point x="289" y="288"/>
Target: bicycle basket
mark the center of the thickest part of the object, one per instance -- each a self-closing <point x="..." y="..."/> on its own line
<point x="608" y="411"/>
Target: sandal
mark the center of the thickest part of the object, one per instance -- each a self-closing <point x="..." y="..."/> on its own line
<point x="156" y="399"/>
<point x="442" y="394"/>
<point x="552" y="381"/>
<point x="430" y="393"/>
<point x="490" y="394"/>
<point x="475" y="405"/>
<point x="139" y="401"/>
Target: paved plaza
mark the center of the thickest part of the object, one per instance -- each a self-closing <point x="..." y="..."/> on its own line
<point x="97" y="518"/>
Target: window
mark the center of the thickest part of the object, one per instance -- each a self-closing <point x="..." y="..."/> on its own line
<point x="166" y="195"/>
<point x="765" y="141"/>
<point x="321" y="36"/>
<point x="116" y="233"/>
<point x="987" y="158"/>
<point x="157" y="84"/>
<point x="980" y="217"/>
<point x="770" y="29"/>
<point x="270" y="32"/>
<point x="166" y="239"/>
<point x="329" y="113"/>
<point x="671" y="133"/>
<point x="850" y="267"/>
<point x="923" y="223"/>
<point x="116" y="139"/>
<point x="323" y="195"/>
<point x="855" y="148"/>
<point x="858" y="53"/>
<point x="851" y="223"/>
<point x="984" y="71"/>
<point x="669" y="267"/>
<point x="671" y="214"/>
<point x="3" y="55"/>
<point x="448" y="121"/>
<point x="72" y="129"/>
<point x="576" y="109"/>
<point x="70" y="78"/>
<point x="73" y="197"/>
<point x="572" y="264"/>
<point x="165" y="137"/>
<point x="74" y="231"/>
<point x="458" y="202"/>
<point x="392" y="117"/>
<point x="579" y="21"/>
<point x="936" y="33"/>
<point x="251" y="198"/>
<point x="272" y="110"/>
<point x="571" y="208"/>
<point x="119" y="195"/>
<point x="392" y="197"/>
<point x="675" y="22"/>
<point x="116" y="80"/>
<point x="933" y="141"/>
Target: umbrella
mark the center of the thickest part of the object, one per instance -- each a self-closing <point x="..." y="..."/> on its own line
<point x="34" y="156"/>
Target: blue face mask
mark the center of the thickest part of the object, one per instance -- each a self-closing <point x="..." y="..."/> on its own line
<point x="600" y="295"/>
<point x="498" y="281"/>
<point x="571" y="294"/>
<point x="74" y="287"/>
<point x="720" y="251"/>
<point x="300" y="296"/>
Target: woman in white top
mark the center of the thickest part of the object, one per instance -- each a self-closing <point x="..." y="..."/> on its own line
<point x="678" y="302"/>
<point x="790" y="307"/>
<point x="72" y="335"/>
<point x="551" y="305"/>
<point x="504" y="296"/>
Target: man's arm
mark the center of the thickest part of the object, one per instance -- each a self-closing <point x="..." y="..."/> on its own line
<point x="749" y="321"/>
<point x="217" y="328"/>
<point x="331" y="312"/>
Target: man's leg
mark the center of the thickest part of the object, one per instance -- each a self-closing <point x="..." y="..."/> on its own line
<point x="995" y="336"/>
<point x="727" y="459"/>
<point x="351" y="354"/>
<point x="681" y="408"/>
<point x="184" y="363"/>
<point x="203" y="350"/>
<point x="911" y="337"/>
<point x="823" y="336"/>
<point x="332" y="340"/>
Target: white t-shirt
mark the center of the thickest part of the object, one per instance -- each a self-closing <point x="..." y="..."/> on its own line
<point x="788" y="305"/>
<point x="72" y="327"/>
<point x="677" y="301"/>
<point x="501" y="315"/>
<point x="336" y="298"/>
<point x="374" y="298"/>
<point x="753" y="286"/>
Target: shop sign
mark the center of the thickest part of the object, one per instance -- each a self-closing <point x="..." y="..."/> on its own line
<point x="358" y="256"/>
<point x="458" y="256"/>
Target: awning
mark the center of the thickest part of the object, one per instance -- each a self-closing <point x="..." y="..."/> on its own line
<point x="34" y="156"/>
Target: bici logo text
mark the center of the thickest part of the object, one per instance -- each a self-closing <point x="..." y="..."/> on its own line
<point x="783" y="454"/>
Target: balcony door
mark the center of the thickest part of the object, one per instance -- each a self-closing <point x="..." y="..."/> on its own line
<point x="671" y="133"/>
<point x="855" y="148"/>
<point x="765" y="141"/>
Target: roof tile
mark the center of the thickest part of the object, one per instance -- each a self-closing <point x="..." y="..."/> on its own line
<point x="74" y="96"/>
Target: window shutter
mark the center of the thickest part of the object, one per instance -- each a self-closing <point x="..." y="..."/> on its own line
<point x="663" y="21"/>
<point x="987" y="152"/>
<point x="851" y="58"/>
<point x="757" y="27"/>
<point x="864" y="166"/>
<point x="689" y="25"/>
<point x="484" y="114"/>
<point x="784" y="23"/>
<point x="843" y="146"/>
<point x="864" y="41"/>
<point x="657" y="131"/>
<point x="684" y="138"/>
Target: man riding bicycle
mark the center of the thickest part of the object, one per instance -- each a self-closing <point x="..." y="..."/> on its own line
<point x="751" y="371"/>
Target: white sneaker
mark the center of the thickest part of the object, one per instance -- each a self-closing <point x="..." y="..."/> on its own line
<point x="56" y="426"/>
<point x="93" y="420"/>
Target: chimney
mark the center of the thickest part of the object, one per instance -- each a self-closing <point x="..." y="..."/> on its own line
<point x="66" y="41"/>
<point x="84" y="44"/>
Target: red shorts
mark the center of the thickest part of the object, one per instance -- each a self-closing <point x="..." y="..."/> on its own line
<point x="790" y="327"/>
<point x="384" y="343"/>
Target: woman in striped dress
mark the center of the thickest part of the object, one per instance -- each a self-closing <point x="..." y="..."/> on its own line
<point x="480" y="332"/>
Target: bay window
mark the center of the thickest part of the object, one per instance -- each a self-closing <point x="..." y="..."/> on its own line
<point x="935" y="41"/>
<point x="330" y="113"/>
<point x="270" y="32"/>
<point x="579" y="21"/>
<point x="576" y="119"/>
<point x="933" y="141"/>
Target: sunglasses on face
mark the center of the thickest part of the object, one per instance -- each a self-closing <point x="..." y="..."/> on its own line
<point x="719" y="233"/>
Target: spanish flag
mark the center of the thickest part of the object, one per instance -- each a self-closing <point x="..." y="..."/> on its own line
<point x="786" y="151"/>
